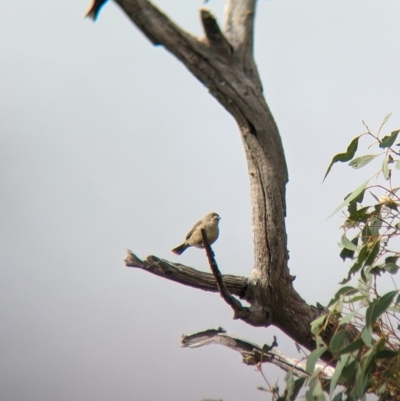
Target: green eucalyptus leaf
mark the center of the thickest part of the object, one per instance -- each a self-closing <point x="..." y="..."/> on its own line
<point x="318" y="393"/>
<point x="397" y="165"/>
<point x="385" y="169"/>
<point x="362" y="256"/>
<point x="338" y="396"/>
<point x="354" y="346"/>
<point x="289" y="380"/>
<point x="375" y="225"/>
<point x="376" y="198"/>
<point x="391" y="268"/>
<point x="355" y="268"/>
<point x="388" y="140"/>
<point x="386" y="354"/>
<point x="344" y="157"/>
<point x="342" y="292"/>
<point x="384" y="121"/>
<point x="366" y="336"/>
<point x="346" y="319"/>
<point x="356" y="299"/>
<point x="363" y="276"/>
<point x="317" y="323"/>
<point x="366" y="234"/>
<point x="383" y="354"/>
<point x="297" y="386"/>
<point x="346" y="254"/>
<point x="338" y="371"/>
<point x="349" y="372"/>
<point x="372" y="253"/>
<point x="381" y="305"/>
<point x="347" y="243"/>
<point x="361" y="161"/>
<point x="361" y="382"/>
<point x="360" y="215"/>
<point x="368" y="314"/>
<point x="397" y="300"/>
<point x="391" y="259"/>
<point x="338" y="342"/>
<point x="352" y="196"/>
<point x="313" y="358"/>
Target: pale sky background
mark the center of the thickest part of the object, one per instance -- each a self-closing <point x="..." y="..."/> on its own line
<point x="108" y="143"/>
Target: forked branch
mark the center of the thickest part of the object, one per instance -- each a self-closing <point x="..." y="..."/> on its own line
<point x="253" y="354"/>
<point x="240" y="311"/>
<point x="223" y="62"/>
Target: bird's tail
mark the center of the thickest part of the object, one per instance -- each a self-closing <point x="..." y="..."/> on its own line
<point x="94" y="9"/>
<point x="180" y="249"/>
<point x="91" y="13"/>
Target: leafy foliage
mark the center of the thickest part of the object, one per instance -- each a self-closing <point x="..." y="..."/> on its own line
<point x="361" y="327"/>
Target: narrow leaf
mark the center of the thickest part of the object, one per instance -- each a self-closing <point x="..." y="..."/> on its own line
<point x="361" y="161"/>
<point x="376" y="198"/>
<point x="317" y="323"/>
<point x="355" y="346"/>
<point x="338" y="396"/>
<point x="346" y="254"/>
<point x="344" y="291"/>
<point x="344" y="157"/>
<point x="381" y="305"/>
<point x="318" y="394"/>
<point x="349" y="372"/>
<point x="347" y="243"/>
<point x="368" y="313"/>
<point x="338" y="342"/>
<point x="391" y="259"/>
<point x="373" y="253"/>
<point x="298" y="384"/>
<point x="347" y="318"/>
<point x="384" y="354"/>
<point x="313" y="358"/>
<point x="352" y="196"/>
<point x="388" y="141"/>
<point x="338" y="371"/>
<point x="391" y="268"/>
<point x="362" y="256"/>
<point x="360" y="215"/>
<point x="366" y="336"/>
<point x="397" y="300"/>
<point x="385" y="169"/>
<point x="375" y="225"/>
<point x="384" y="121"/>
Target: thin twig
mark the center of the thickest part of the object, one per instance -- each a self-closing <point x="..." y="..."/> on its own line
<point x="238" y="308"/>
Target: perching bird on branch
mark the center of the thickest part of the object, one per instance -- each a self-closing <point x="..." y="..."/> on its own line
<point x="194" y="238"/>
<point x="94" y="10"/>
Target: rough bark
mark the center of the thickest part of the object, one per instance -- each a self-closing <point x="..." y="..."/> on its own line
<point x="253" y="354"/>
<point x="223" y="62"/>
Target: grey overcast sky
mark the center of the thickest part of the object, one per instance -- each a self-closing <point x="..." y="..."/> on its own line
<point x="108" y="143"/>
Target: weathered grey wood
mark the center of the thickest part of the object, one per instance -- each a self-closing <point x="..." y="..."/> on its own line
<point x="253" y="354"/>
<point x="232" y="78"/>
<point x="185" y="275"/>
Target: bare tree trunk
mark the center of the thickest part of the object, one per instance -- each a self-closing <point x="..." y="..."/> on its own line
<point x="223" y="62"/>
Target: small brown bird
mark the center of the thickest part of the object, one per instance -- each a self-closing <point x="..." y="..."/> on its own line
<point x="95" y="8"/>
<point x="194" y="238"/>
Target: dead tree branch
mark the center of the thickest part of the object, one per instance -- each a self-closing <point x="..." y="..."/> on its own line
<point x="185" y="275"/>
<point x="223" y="62"/>
<point x="252" y="354"/>
<point x="240" y="312"/>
